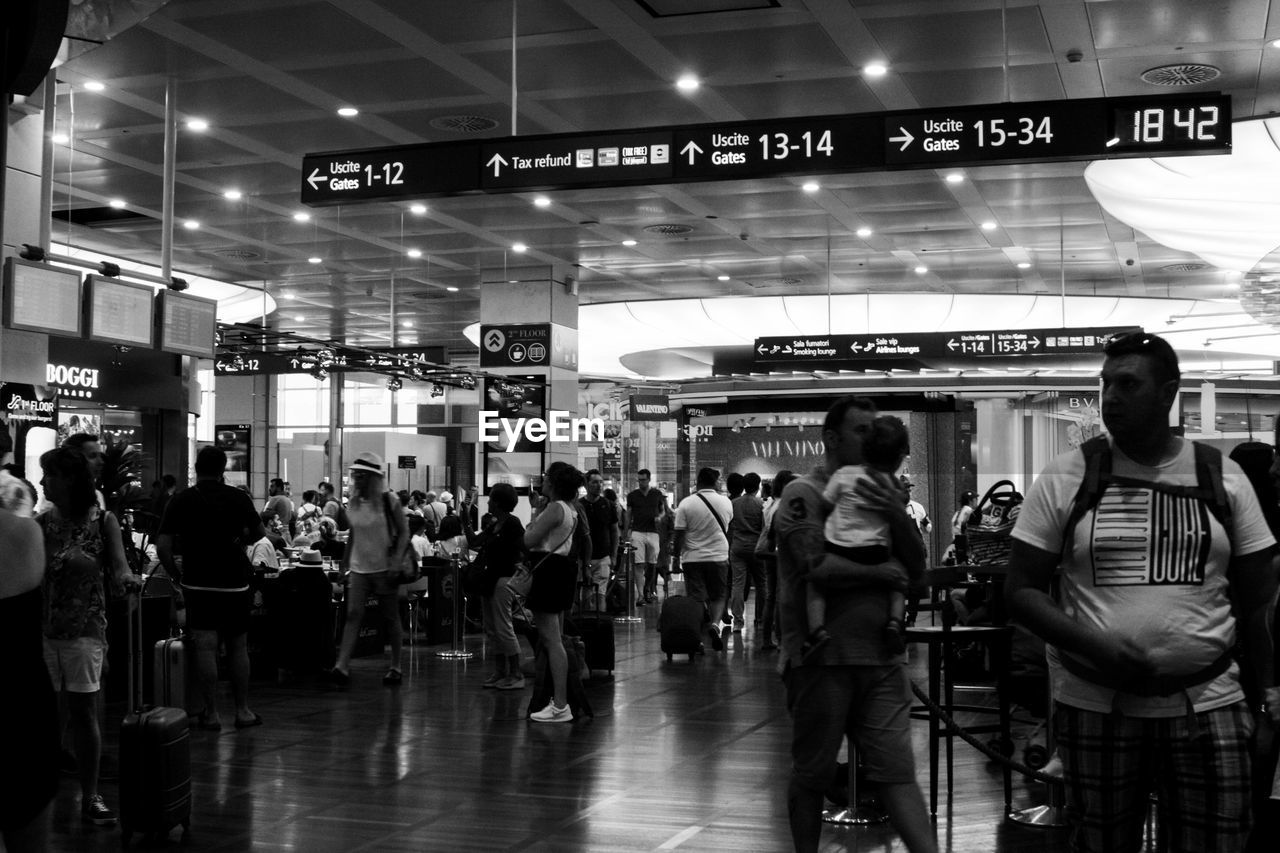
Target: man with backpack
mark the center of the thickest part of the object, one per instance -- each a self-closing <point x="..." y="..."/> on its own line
<point x="1127" y="557"/>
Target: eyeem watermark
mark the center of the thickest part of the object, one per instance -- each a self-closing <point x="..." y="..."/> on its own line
<point x="559" y="427"/>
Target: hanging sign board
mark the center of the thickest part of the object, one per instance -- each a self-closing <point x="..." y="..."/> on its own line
<point x="1034" y="131"/>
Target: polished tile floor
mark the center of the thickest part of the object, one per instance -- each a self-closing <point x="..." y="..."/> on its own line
<point x="680" y="756"/>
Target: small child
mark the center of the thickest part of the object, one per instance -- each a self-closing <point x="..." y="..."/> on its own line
<point x="859" y="533"/>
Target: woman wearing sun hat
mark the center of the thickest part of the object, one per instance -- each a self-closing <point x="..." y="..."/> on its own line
<point x="367" y="559"/>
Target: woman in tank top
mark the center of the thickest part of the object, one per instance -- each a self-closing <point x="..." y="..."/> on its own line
<point x="550" y="540"/>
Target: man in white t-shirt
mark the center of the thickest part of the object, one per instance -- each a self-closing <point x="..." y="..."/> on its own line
<point x="1152" y="549"/>
<point x="702" y="547"/>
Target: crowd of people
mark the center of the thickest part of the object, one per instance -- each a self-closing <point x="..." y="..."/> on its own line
<point x="1146" y="562"/>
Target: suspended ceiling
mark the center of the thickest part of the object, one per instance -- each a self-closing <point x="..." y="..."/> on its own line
<point x="269" y="75"/>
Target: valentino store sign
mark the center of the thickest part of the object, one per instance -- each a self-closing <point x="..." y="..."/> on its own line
<point x="650" y="407"/>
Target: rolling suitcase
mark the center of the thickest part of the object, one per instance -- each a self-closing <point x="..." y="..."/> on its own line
<point x="155" y="759"/>
<point x="680" y="625"/>
<point x="173" y="683"/>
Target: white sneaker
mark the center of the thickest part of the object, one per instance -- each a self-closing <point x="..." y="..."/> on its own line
<point x="553" y="714"/>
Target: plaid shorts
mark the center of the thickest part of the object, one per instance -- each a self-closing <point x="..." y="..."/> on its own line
<point x="1111" y="764"/>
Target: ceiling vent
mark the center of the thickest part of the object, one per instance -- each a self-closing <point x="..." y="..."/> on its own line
<point x="668" y="230"/>
<point x="1182" y="74"/>
<point x="1190" y="266"/>
<point x="235" y="254"/>
<point x="786" y="281"/>
<point x="463" y="124"/>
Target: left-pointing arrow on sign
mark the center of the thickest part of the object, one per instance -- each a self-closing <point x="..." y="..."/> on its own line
<point x="316" y="179"/>
<point x="497" y="161"/>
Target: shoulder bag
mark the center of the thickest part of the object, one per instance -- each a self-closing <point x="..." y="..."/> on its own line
<point x="522" y="580"/>
<point x="404" y="568"/>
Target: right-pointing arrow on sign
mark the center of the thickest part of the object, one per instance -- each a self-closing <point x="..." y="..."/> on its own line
<point x="497" y="161"/>
<point x="906" y="138"/>
<point x="692" y="149"/>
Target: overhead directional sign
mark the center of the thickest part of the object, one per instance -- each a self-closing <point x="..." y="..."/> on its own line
<point x="815" y="350"/>
<point x="231" y="363"/>
<point x="1090" y="129"/>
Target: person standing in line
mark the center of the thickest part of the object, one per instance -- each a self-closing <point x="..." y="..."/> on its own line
<point x="554" y="560"/>
<point x="645" y="505"/>
<point x="208" y="524"/>
<point x="1142" y="559"/>
<point x="368" y="561"/>
<point x="702" y="547"/>
<point x="84" y="553"/>
<point x="854" y="685"/>
<point x="29" y="749"/>
<point x="767" y="556"/>
<point x="502" y="544"/>
<point x="602" y="523"/>
<point x="282" y="505"/>
<point x="744" y="533"/>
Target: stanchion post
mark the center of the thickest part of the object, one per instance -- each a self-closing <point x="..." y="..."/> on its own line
<point x="854" y="813"/>
<point x="1053" y="812"/>
<point x="629" y="557"/>
<point x="455" y="652"/>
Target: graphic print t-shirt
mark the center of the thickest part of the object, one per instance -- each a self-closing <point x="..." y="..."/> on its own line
<point x="1151" y="565"/>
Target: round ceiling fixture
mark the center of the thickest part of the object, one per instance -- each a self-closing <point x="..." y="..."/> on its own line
<point x="786" y="281"/>
<point x="463" y="123"/>
<point x="237" y="254"/>
<point x="1181" y="74"/>
<point x="670" y="229"/>
<point x="1189" y="266"/>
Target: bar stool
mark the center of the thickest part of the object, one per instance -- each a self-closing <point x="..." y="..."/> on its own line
<point x="942" y="641"/>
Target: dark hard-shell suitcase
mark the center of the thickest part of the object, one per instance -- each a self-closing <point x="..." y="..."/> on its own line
<point x="596" y="630"/>
<point x="577" y="695"/>
<point x="680" y="625"/>
<point x="155" y="759"/>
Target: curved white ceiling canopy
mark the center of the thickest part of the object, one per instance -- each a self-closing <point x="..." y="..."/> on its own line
<point x="609" y="332"/>
<point x="1226" y="208"/>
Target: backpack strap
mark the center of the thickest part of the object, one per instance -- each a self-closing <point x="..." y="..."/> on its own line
<point x="1097" y="471"/>
<point x="1209" y="481"/>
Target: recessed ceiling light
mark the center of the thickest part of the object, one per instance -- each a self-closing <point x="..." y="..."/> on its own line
<point x="1276" y="43"/>
<point x="190" y="224"/>
<point x="61" y="139"/>
<point x="811" y="187"/>
<point x="286" y="295"/>
<point x="232" y="195"/>
<point x="519" y="247"/>
<point x="417" y="209"/>
<point x="863" y="232"/>
<point x="298" y="318"/>
<point x="988" y="226"/>
<point x="875" y="69"/>
<point x="94" y="86"/>
<point x="542" y="201"/>
<point x="198" y="125"/>
<point x="314" y="260"/>
<point x="414" y="253"/>
<point x="408" y="324"/>
<point x="921" y="270"/>
<point x="688" y="83"/>
<point x="628" y="242"/>
<point x="722" y="278"/>
<point x="451" y="289"/>
<point x="955" y="178"/>
<point x="117" y="203"/>
<point x="302" y="216"/>
<point x="1024" y="265"/>
<point x="348" y="112"/>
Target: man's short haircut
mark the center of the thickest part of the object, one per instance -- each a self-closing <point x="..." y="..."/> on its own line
<point x="417" y="524"/>
<point x="1154" y="347"/>
<point x="327" y="488"/>
<point x="79" y="440"/>
<point x="751" y="482"/>
<point x="211" y="461"/>
<point x="886" y="444"/>
<point x="169" y="481"/>
<point x="277" y="482"/>
<point x="707" y="478"/>
<point x="644" y="472"/>
<point x="429" y="497"/>
<point x="840" y="409"/>
<point x="593" y="473"/>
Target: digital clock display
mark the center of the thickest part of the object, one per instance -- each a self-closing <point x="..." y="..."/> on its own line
<point x="1199" y="123"/>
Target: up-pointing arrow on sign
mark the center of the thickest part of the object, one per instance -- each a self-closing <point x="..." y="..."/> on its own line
<point x="692" y="149"/>
<point x="316" y="179"/>
<point x="906" y="138"/>
<point x="497" y="161"/>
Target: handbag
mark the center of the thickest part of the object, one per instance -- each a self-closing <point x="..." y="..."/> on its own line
<point x="522" y="581"/>
<point x="988" y="533"/>
<point x="401" y="568"/>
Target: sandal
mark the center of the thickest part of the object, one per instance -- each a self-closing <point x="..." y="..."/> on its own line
<point x="250" y="723"/>
<point x="204" y="724"/>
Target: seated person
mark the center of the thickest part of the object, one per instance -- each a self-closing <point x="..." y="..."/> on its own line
<point x="263" y="556"/>
<point x="418" y="537"/>
<point x="328" y="543"/>
<point x="274" y="529"/>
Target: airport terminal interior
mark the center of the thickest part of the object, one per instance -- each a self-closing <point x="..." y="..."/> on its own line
<point x="432" y="230"/>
